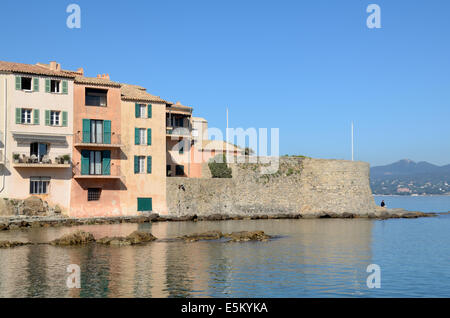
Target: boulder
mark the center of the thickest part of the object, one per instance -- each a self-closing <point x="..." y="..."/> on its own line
<point x="245" y="236"/>
<point x="10" y="244"/>
<point x="4" y="226"/>
<point x="33" y="206"/>
<point x="210" y="235"/>
<point x="137" y="237"/>
<point x="6" y="208"/>
<point x="76" y="238"/>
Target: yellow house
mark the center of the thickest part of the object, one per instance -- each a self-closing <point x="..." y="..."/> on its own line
<point x="144" y="151"/>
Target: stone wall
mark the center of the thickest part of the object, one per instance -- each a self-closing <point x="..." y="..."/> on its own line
<point x="305" y="186"/>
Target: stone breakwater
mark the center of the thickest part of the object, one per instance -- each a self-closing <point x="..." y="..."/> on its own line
<point x="301" y="188"/>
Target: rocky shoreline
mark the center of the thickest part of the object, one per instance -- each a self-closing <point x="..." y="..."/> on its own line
<point x="26" y="222"/>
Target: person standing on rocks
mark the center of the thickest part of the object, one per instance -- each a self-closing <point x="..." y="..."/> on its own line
<point x="383" y="204"/>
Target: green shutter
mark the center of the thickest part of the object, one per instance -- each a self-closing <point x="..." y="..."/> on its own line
<point x="149" y="164"/>
<point x="36" y="116"/>
<point x="144" y="204"/>
<point x="64" y="119"/>
<point x="36" y="84"/>
<point x="47" y="118"/>
<point x="18" y="115"/>
<point x="18" y="82"/>
<point x="136" y="136"/>
<point x="149" y="136"/>
<point x="86" y="130"/>
<point x="149" y="110"/>
<point x="85" y="162"/>
<point x="137" y="110"/>
<point x="65" y="88"/>
<point x="106" y="162"/>
<point x="47" y="85"/>
<point x="136" y="164"/>
<point x="106" y="131"/>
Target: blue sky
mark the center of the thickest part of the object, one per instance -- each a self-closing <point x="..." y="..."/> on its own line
<point x="306" y="67"/>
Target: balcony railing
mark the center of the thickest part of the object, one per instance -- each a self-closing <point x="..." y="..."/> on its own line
<point x="21" y="160"/>
<point x="114" y="172"/>
<point x="178" y="131"/>
<point x="109" y="141"/>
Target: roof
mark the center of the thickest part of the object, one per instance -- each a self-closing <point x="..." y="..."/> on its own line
<point x="138" y="93"/>
<point x="199" y="119"/>
<point x="218" y="145"/>
<point x="11" y="67"/>
<point x="96" y="81"/>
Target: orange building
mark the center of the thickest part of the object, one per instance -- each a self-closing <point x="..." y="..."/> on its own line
<point x="97" y="154"/>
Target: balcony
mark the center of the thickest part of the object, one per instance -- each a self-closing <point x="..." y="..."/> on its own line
<point x="113" y="142"/>
<point x="114" y="173"/>
<point x="180" y="132"/>
<point x="33" y="161"/>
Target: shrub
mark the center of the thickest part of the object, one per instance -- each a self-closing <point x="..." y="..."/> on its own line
<point x="218" y="167"/>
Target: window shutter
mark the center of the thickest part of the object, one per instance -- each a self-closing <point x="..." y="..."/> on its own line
<point x="47" y="85"/>
<point x="149" y="164"/>
<point x="149" y="110"/>
<point x="136" y="136"/>
<point x="18" y="115"/>
<point x="149" y="136"/>
<point x="144" y="204"/>
<point x="86" y="130"/>
<point x="137" y="111"/>
<point x="136" y="164"/>
<point x="36" y="84"/>
<point x="106" y="162"/>
<point x="65" y="88"/>
<point x="47" y="118"/>
<point x="18" y="82"/>
<point x="64" y="119"/>
<point x="36" y="116"/>
<point x="107" y="131"/>
<point x="85" y="162"/>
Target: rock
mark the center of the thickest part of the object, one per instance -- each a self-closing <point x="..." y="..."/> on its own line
<point x="33" y="206"/>
<point x="3" y="227"/>
<point x="245" y="236"/>
<point x="347" y="215"/>
<point x="137" y="237"/>
<point x="6" y="208"/>
<point x="211" y="235"/>
<point x="10" y="244"/>
<point x="76" y="238"/>
<point x="57" y="209"/>
<point x="214" y="217"/>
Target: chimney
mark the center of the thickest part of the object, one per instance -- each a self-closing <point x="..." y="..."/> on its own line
<point x="103" y="76"/>
<point x="54" y="66"/>
<point x="81" y="71"/>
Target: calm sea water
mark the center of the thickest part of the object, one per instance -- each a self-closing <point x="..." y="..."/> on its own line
<point x="309" y="258"/>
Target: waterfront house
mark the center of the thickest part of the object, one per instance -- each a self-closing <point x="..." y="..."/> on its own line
<point x="97" y="151"/>
<point x="144" y="147"/>
<point x="36" y="124"/>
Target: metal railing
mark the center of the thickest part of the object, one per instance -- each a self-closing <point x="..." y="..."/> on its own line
<point x="113" y="139"/>
<point x="91" y="172"/>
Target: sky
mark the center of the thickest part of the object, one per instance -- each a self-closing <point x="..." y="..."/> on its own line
<point x="307" y="67"/>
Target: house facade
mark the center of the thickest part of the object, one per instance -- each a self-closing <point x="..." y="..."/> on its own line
<point x="97" y="148"/>
<point x="36" y="130"/>
<point x="144" y="146"/>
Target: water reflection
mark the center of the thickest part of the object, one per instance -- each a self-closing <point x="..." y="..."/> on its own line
<point x="311" y="258"/>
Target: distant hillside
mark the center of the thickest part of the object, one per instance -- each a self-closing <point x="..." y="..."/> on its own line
<point x="407" y="177"/>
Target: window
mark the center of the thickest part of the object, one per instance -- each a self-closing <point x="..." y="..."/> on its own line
<point x="95" y="162"/>
<point x="142" y="111"/>
<point x="55" y="86"/>
<point x="39" y="150"/>
<point x="26" y="116"/>
<point x="97" y="131"/>
<point x="94" y="194"/>
<point x="141" y="164"/>
<point x="26" y="83"/>
<point x="39" y="185"/>
<point x="96" y="97"/>
<point x="55" y="118"/>
<point x="142" y="136"/>
<point x="179" y="170"/>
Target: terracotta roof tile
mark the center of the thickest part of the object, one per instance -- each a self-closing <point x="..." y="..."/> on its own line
<point x="11" y="67"/>
<point x="138" y="93"/>
<point x="95" y="81"/>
